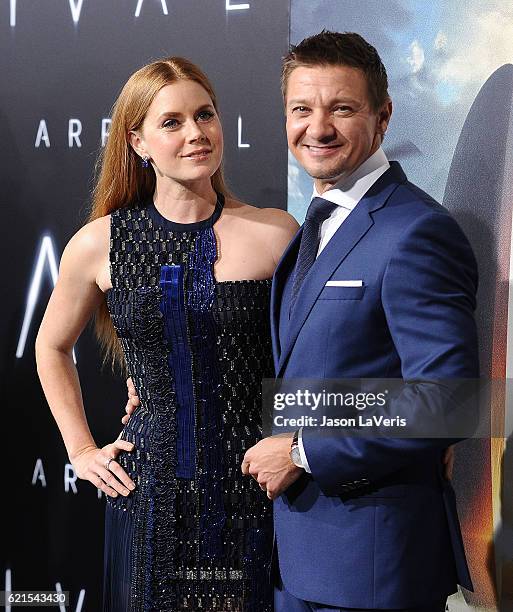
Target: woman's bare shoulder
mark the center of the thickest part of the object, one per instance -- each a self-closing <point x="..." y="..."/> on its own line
<point x="91" y="242"/>
<point x="280" y="219"/>
<point x="274" y="227"/>
<point x="275" y="217"/>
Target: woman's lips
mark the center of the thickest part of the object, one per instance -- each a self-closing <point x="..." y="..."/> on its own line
<point x="199" y="155"/>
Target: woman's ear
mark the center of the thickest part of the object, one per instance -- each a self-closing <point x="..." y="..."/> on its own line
<point x="137" y="143"/>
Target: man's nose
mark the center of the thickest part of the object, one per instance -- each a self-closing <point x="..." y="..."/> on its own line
<point x="320" y="126"/>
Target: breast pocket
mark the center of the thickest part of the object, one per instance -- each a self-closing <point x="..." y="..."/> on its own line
<point x="342" y="293"/>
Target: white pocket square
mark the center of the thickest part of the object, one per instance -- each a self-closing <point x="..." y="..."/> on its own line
<point x="344" y="283"/>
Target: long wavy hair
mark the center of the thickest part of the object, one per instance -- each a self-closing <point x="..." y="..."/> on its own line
<point x="121" y="179"/>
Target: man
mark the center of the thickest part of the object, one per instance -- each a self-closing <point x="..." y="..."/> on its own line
<point x="379" y="283"/>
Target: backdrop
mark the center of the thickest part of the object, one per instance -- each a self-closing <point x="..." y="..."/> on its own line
<point x="63" y="63"/>
<point x="451" y="83"/>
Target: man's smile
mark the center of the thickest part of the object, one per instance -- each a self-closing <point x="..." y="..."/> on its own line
<point x="322" y="150"/>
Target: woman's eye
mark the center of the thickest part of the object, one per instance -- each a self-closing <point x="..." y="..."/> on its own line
<point x="205" y="115"/>
<point x="170" y="123"/>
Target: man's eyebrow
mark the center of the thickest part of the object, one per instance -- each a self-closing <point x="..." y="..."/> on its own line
<point x="336" y="100"/>
<point x="297" y="101"/>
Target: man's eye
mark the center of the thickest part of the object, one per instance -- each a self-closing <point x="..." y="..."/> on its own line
<point x="205" y="115"/>
<point x="300" y="109"/>
<point x="344" y="109"/>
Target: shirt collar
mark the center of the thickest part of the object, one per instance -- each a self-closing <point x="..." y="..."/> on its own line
<point x="351" y="189"/>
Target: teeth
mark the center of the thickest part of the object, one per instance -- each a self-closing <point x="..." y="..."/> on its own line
<point x="320" y="148"/>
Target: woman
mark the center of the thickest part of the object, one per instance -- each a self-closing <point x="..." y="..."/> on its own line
<point x="178" y="274"/>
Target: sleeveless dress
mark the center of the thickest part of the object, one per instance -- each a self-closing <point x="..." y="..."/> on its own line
<point x="195" y="534"/>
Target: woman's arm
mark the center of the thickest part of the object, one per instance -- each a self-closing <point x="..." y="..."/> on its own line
<point x="75" y="298"/>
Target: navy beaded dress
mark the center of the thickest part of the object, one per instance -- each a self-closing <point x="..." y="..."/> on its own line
<point x="195" y="534"/>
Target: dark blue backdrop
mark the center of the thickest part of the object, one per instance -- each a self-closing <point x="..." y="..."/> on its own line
<point x="62" y="64"/>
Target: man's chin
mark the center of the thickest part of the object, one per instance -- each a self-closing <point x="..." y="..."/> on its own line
<point x="324" y="174"/>
<point x="331" y="176"/>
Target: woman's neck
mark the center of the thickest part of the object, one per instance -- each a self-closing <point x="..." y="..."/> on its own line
<point x="185" y="203"/>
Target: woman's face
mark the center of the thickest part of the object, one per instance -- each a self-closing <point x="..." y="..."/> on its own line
<point x="181" y="134"/>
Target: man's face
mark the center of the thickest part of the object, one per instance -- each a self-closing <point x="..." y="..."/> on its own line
<point x="331" y="127"/>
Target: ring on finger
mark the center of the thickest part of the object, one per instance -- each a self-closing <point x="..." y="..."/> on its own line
<point x="107" y="463"/>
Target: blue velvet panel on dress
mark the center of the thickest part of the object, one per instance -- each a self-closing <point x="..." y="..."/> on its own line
<point x="172" y="306"/>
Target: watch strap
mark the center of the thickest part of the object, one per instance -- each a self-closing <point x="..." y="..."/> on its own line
<point x="295" y="439"/>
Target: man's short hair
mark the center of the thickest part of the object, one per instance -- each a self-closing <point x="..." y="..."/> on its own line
<point x="339" y="49"/>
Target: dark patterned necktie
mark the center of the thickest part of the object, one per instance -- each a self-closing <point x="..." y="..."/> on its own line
<point x="318" y="211"/>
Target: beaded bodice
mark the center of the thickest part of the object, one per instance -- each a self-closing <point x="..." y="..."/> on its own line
<point x="197" y="351"/>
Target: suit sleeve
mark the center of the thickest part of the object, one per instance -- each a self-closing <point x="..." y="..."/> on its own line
<point x="428" y="297"/>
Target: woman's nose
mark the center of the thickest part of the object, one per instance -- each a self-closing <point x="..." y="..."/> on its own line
<point x="194" y="132"/>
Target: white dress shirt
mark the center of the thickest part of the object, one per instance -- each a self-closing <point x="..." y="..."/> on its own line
<point x="346" y="194"/>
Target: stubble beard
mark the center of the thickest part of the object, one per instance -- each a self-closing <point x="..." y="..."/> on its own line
<point x="332" y="174"/>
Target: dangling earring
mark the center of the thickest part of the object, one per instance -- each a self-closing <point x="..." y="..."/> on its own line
<point x="144" y="161"/>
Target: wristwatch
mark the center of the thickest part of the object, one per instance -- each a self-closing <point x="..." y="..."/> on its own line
<point x="295" y="455"/>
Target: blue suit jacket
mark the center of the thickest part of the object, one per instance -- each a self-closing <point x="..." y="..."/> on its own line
<point x="397" y="542"/>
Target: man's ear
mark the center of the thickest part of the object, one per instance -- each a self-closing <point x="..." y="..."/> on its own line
<point x="384" y="115"/>
<point x="136" y="142"/>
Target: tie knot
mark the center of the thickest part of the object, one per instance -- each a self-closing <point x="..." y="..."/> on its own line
<point x="320" y="209"/>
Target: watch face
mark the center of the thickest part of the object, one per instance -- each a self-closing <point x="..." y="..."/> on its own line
<point x="296" y="456"/>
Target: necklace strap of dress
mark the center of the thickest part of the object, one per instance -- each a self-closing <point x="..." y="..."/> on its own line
<point x="218" y="209"/>
<point x="161" y="221"/>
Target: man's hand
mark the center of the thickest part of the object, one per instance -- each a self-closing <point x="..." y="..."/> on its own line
<point x="133" y="401"/>
<point x="270" y="465"/>
<point x="99" y="466"/>
<point x="449" y="462"/>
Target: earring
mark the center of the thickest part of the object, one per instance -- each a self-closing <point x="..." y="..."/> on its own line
<point x="144" y="161"/>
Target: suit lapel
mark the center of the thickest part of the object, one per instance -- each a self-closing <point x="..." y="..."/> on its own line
<point x="352" y="230"/>
<point x="283" y="269"/>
